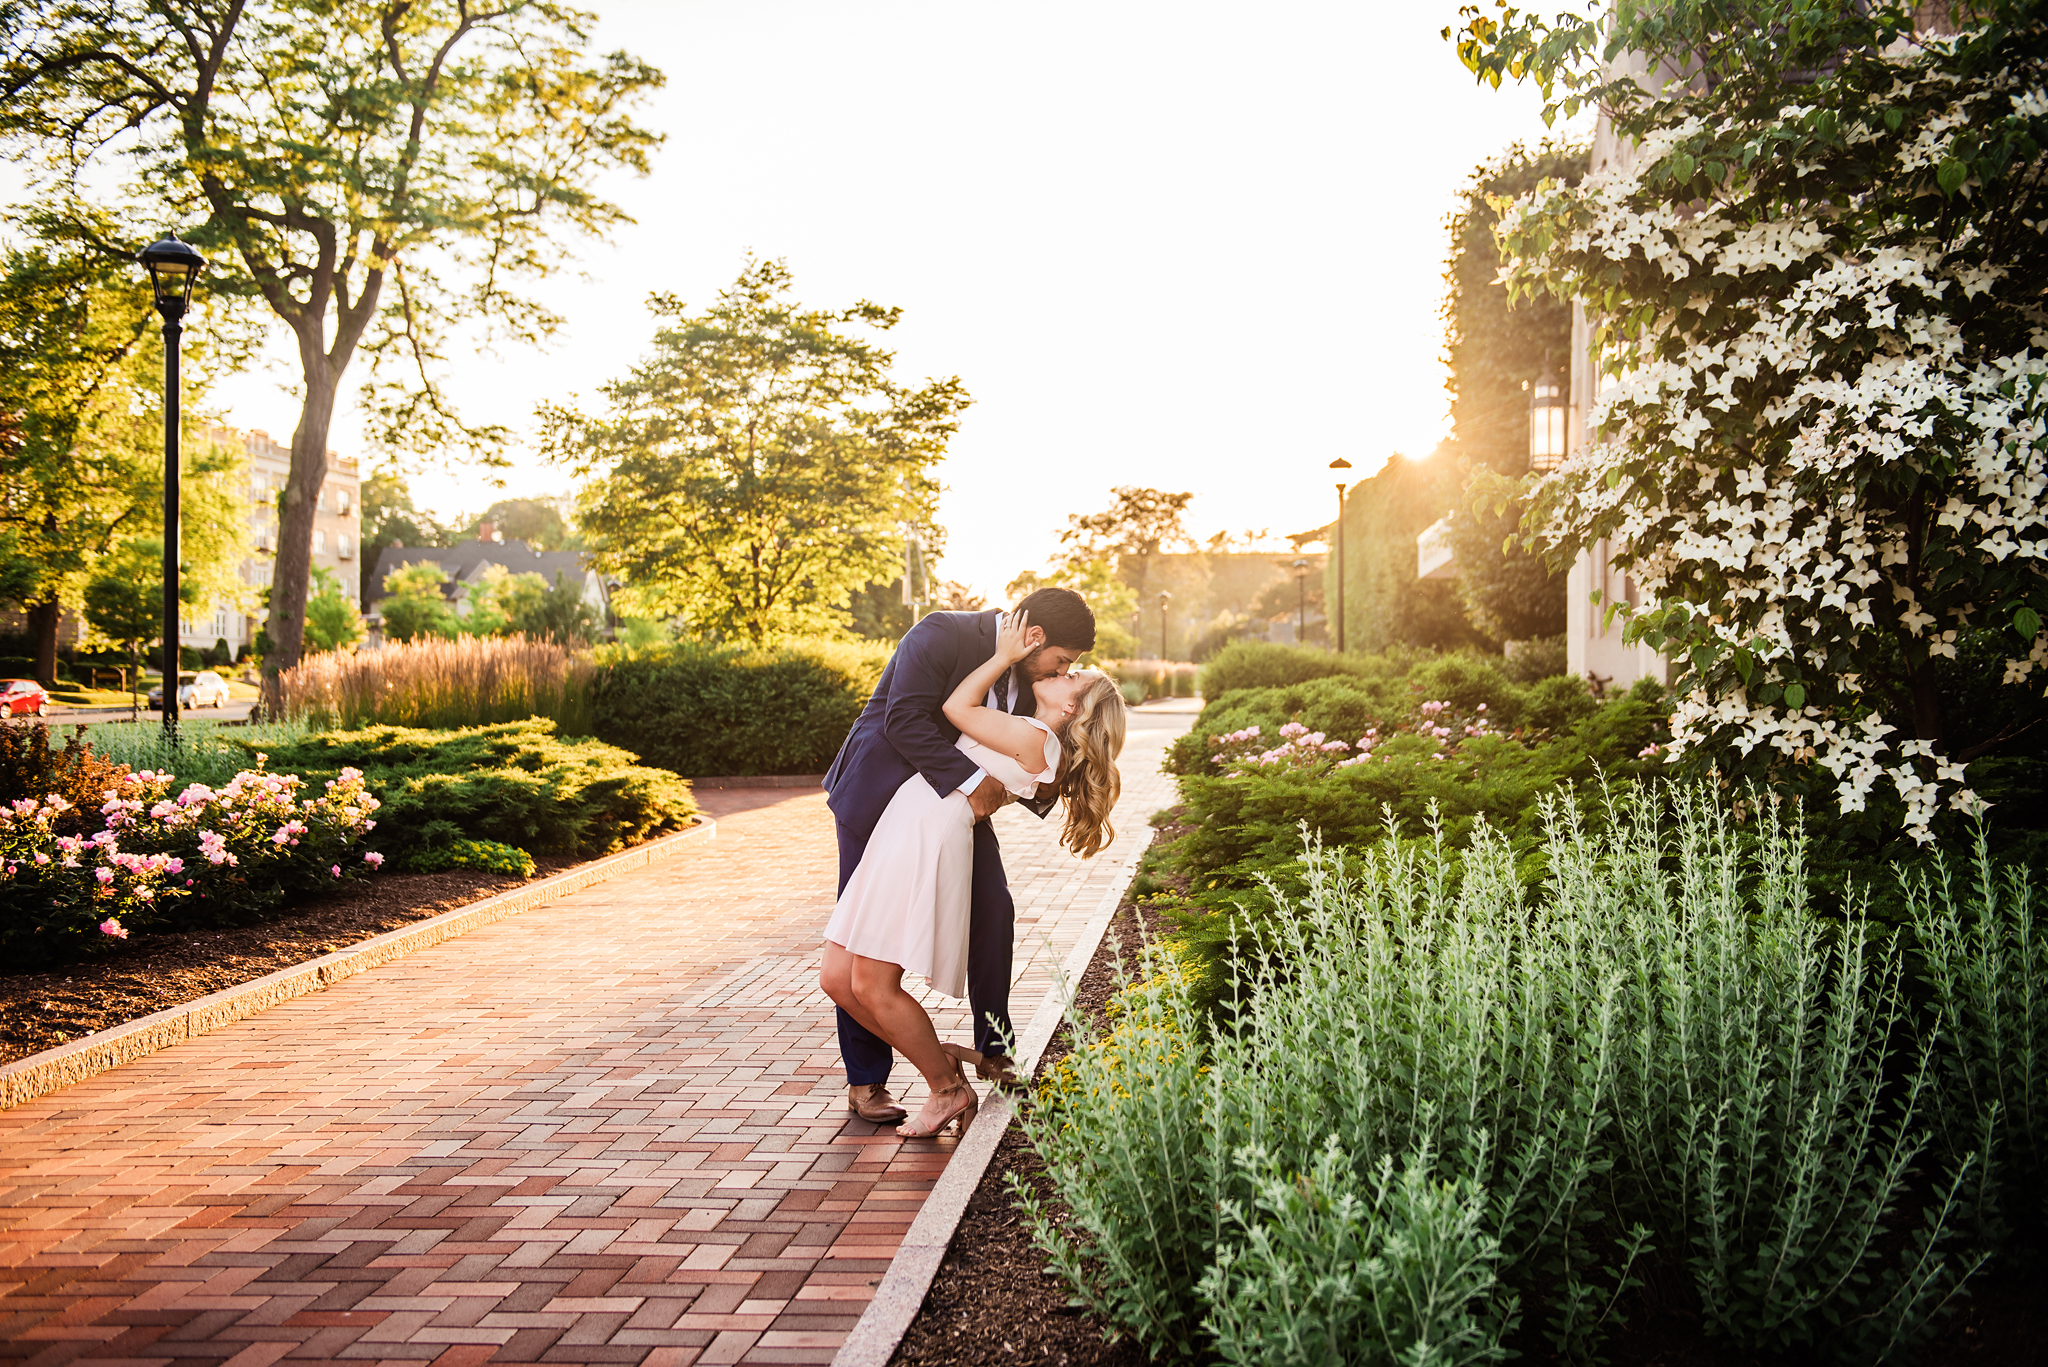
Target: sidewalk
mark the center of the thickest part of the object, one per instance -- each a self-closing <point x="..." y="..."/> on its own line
<point x="610" y="1130"/>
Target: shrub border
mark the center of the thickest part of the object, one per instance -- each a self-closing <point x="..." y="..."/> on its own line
<point x="758" y="781"/>
<point x="52" y="1069"/>
<point x="881" y="1327"/>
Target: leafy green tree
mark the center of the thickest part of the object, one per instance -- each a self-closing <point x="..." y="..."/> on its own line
<point x="1302" y="602"/>
<point x="124" y="602"/>
<point x="1817" y="275"/>
<point x="758" y="467"/>
<point x="559" y="613"/>
<point x="332" y="621"/>
<point x="1137" y="527"/>
<point x="81" y="375"/>
<point x="1496" y="345"/>
<point x="877" y="611"/>
<point x="390" y="519"/>
<point x="1114" y="602"/>
<point x="1385" y="604"/>
<point x="1495" y="348"/>
<point x="1510" y="592"/>
<point x="536" y="521"/>
<point x="345" y="162"/>
<point x="413" y="605"/>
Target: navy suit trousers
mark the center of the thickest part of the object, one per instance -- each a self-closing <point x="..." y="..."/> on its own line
<point x="991" y="924"/>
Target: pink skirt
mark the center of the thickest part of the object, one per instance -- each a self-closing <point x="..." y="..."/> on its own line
<point x="907" y="902"/>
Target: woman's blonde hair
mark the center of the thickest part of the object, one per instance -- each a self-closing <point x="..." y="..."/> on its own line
<point x="1089" y="779"/>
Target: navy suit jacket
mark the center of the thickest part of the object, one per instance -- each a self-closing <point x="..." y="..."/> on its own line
<point x="903" y="730"/>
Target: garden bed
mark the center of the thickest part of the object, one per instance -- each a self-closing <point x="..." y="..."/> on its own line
<point x="152" y="972"/>
<point x="994" y="1298"/>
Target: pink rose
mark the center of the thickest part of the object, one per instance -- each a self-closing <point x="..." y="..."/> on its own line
<point x="112" y="927"/>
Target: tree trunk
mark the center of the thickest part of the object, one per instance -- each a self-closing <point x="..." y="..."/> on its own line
<point x="292" y="571"/>
<point x="42" y="631"/>
<point x="1926" y="705"/>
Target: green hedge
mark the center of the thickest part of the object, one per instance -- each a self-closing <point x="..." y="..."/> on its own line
<point x="1248" y="827"/>
<point x="515" y="783"/>
<point x="1375" y="691"/>
<point x="719" y="710"/>
<point x="1259" y="664"/>
<point x="1242" y="821"/>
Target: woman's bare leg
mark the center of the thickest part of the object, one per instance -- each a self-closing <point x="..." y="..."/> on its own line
<point x="901" y="1021"/>
<point x="835" y="976"/>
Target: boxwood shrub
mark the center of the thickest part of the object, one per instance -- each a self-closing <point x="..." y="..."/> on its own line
<point x="515" y="783"/>
<point x="729" y="710"/>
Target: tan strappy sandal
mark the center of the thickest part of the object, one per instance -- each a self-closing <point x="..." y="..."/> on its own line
<point x="963" y="1108"/>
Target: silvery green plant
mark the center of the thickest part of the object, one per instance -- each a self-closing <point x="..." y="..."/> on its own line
<point x="1984" y="967"/>
<point x="1128" y="1142"/>
<point x="1662" y="1052"/>
<point x="1324" y="1267"/>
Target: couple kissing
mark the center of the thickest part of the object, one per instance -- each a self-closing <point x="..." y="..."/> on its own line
<point x="975" y="710"/>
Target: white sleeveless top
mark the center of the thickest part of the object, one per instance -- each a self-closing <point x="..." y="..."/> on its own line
<point x="908" y="901"/>
<point x="1007" y="771"/>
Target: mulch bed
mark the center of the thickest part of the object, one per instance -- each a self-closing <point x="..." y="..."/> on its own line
<point x="995" y="1299"/>
<point x="152" y="972"/>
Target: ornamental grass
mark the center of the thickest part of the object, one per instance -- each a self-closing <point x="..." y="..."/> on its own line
<point x="1454" y="1116"/>
<point x="438" y="684"/>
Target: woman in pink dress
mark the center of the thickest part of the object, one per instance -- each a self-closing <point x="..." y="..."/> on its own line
<point x="906" y="906"/>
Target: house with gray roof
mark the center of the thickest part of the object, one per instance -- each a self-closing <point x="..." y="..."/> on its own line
<point x="464" y="563"/>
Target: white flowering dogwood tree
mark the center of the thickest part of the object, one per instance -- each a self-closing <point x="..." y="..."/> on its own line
<point x="1820" y="444"/>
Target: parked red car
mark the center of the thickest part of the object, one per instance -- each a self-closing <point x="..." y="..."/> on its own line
<point x="23" y="695"/>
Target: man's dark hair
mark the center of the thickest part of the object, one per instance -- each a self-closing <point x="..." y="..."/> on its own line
<point x="1065" y="615"/>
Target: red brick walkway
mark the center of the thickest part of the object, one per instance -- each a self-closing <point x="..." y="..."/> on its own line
<point x="609" y="1130"/>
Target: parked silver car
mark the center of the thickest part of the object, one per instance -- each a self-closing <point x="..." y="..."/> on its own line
<point x="204" y="689"/>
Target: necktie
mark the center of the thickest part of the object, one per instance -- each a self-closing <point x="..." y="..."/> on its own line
<point x="1003" y="690"/>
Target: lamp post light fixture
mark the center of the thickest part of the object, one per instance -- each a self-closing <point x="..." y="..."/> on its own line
<point x="1550" y="418"/>
<point x="1164" y="598"/>
<point x="173" y="270"/>
<point x="1337" y="544"/>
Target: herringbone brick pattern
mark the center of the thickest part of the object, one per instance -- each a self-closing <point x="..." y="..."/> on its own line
<point x="611" y="1130"/>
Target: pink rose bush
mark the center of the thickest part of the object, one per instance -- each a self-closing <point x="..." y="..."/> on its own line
<point x="1435" y="731"/>
<point x="165" y="860"/>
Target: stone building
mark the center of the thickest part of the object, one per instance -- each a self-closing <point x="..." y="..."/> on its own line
<point x="337" y="532"/>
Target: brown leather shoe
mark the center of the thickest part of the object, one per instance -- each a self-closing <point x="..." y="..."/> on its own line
<point x="871" y="1101"/>
<point x="995" y="1068"/>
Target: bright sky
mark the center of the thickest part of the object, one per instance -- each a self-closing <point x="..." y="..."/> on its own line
<point x="1196" y="246"/>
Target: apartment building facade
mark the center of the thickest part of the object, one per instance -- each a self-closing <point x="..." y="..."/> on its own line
<point x="337" y="532"/>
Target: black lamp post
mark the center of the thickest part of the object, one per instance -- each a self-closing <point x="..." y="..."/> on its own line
<point x="1337" y="542"/>
<point x="173" y="270"/>
<point x="1164" y="598"/>
<point x="1301" y="602"/>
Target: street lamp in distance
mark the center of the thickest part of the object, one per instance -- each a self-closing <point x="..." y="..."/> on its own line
<point x="1301" y="602"/>
<point x="173" y="270"/>
<point x="1164" y="598"/>
<point x="1337" y="544"/>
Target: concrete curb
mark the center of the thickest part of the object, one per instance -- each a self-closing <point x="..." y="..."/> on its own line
<point x="896" y="1302"/>
<point x="758" y="781"/>
<point x="46" y="1072"/>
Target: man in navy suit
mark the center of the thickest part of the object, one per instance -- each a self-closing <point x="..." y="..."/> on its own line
<point x="903" y="731"/>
